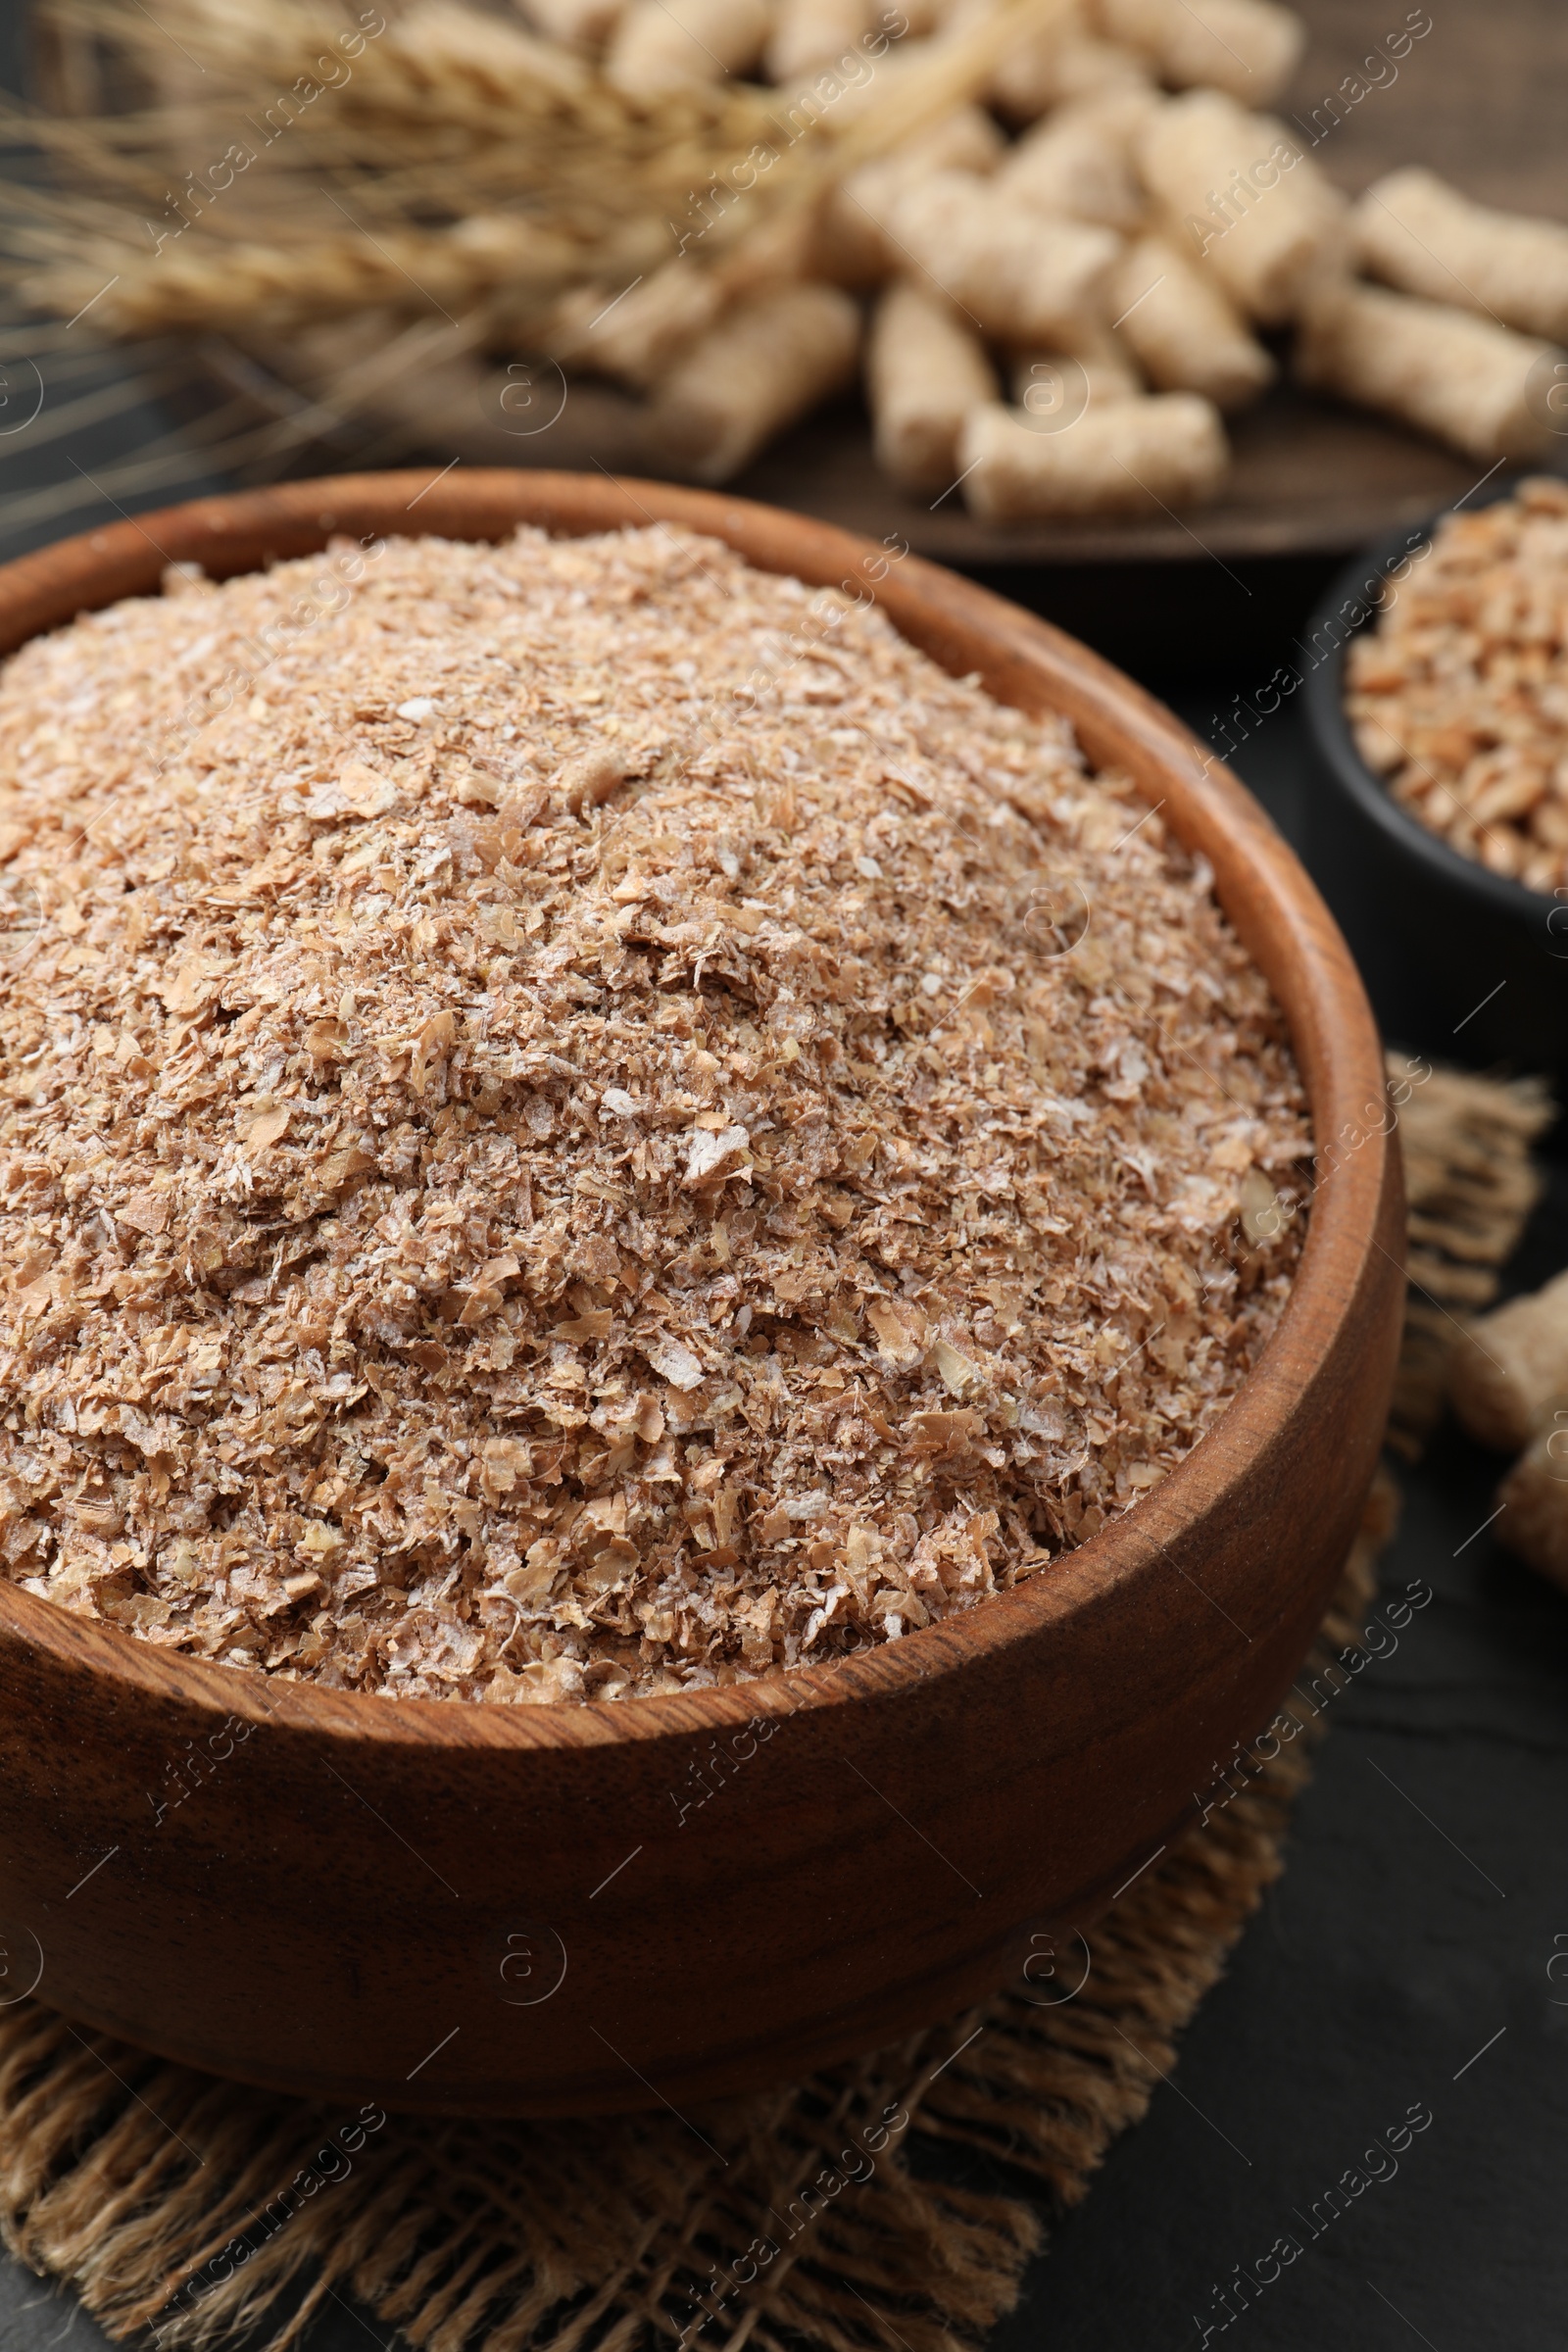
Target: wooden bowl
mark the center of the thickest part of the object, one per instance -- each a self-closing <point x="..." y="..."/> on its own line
<point x="541" y="1910"/>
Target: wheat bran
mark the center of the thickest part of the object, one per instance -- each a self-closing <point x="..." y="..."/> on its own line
<point x="1459" y="696"/>
<point x="531" y="1173"/>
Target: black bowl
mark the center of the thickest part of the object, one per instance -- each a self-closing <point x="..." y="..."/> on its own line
<point x="1460" y="964"/>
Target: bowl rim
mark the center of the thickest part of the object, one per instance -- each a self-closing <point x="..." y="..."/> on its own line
<point x="1359" y="584"/>
<point x="1289" y="934"/>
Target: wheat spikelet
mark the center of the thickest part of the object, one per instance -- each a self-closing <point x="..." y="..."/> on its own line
<point x="475" y="169"/>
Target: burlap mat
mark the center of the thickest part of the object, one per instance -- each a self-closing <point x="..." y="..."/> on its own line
<point x="809" y="2215"/>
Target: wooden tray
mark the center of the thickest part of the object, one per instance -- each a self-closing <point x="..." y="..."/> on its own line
<point x="1308" y="478"/>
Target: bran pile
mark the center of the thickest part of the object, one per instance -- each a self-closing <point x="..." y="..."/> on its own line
<point x="569" y="1149"/>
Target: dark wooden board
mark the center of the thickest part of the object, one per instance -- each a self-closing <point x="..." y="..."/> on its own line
<point x="1482" y="99"/>
<point x="1310" y="478"/>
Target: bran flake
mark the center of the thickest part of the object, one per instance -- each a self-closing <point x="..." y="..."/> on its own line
<point x="534" y="1168"/>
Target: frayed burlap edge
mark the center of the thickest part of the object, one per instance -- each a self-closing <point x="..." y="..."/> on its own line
<point x="162" y="2197"/>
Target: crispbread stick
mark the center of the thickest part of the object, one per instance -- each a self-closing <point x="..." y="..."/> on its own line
<point x="1016" y="272"/>
<point x="809" y="33"/>
<point x="1134" y="457"/>
<point x="1450" y="374"/>
<point x="1079" y="165"/>
<point x="1057" y="63"/>
<point x="1048" y="386"/>
<point x="1248" y="48"/>
<point x="1038" y="73"/>
<point x="867" y="84"/>
<point x="767" y="361"/>
<point x="1187" y="334"/>
<point x="1533" y="1520"/>
<point x="850" y="245"/>
<point x="1510" y="1369"/>
<point x="576" y="24"/>
<point x="663" y="45"/>
<point x="1417" y="234"/>
<point x="926" y="368"/>
<point x="637" y="335"/>
<point x="1241" y="195"/>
